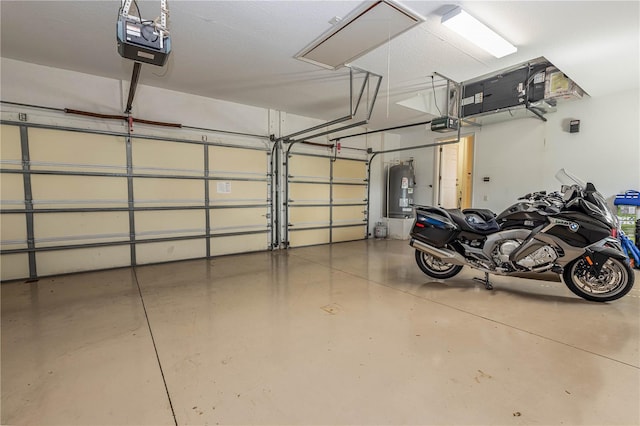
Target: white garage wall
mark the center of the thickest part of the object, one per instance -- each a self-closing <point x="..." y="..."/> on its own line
<point x="39" y="85"/>
<point x="523" y="155"/>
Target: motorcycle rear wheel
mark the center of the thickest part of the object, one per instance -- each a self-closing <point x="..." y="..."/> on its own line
<point x="614" y="281"/>
<point x="435" y="267"/>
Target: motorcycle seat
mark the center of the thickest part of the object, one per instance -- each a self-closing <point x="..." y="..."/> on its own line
<point x="471" y="221"/>
<point x="485" y="214"/>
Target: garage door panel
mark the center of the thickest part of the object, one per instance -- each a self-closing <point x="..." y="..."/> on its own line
<point x="170" y="251"/>
<point x="78" y="191"/>
<point x="14" y="266"/>
<point x="169" y="223"/>
<point x="12" y="190"/>
<point x="10" y="148"/>
<point x="309" y="193"/>
<point x="13" y="229"/>
<point x="238" y="192"/>
<point x="54" y="229"/>
<point x="300" y="238"/>
<point x="238" y="220"/>
<point x="349" y="170"/>
<point x="165" y="157"/>
<point x="86" y="259"/>
<point x="239" y="244"/>
<point x="309" y="216"/>
<point x="237" y="161"/>
<point x="76" y="151"/>
<point x="311" y="168"/>
<point x="167" y="192"/>
<point x="348" y="213"/>
<point x="349" y="194"/>
<point x="349" y="234"/>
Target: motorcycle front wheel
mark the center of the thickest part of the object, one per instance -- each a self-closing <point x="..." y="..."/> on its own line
<point x="435" y="267"/>
<point x="614" y="280"/>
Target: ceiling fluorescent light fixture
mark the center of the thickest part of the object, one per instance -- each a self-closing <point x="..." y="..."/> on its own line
<point x="367" y="27"/>
<point x="477" y="33"/>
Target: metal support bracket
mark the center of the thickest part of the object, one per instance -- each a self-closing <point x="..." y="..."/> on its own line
<point x="353" y="109"/>
<point x="132" y="87"/>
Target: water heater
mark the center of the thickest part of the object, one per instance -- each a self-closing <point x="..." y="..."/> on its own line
<point x="400" y="184"/>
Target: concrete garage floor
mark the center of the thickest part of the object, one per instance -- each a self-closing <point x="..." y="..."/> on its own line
<point x="351" y="333"/>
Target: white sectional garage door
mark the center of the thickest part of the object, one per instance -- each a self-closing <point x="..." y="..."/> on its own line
<point x="327" y="199"/>
<point x="80" y="200"/>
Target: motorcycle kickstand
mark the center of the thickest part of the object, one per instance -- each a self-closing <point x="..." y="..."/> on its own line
<point x="485" y="281"/>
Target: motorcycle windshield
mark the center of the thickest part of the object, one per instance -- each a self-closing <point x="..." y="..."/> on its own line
<point x="596" y="205"/>
<point x="567" y="178"/>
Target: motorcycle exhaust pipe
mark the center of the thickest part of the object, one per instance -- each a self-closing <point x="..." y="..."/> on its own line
<point x="445" y="255"/>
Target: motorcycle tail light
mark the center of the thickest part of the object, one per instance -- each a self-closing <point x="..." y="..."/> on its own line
<point x="420" y="225"/>
<point x="614" y="232"/>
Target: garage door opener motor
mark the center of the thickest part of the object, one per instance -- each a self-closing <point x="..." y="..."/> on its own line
<point x="143" y="40"/>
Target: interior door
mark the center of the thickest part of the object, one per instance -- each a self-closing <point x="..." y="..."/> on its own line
<point x="448" y="177"/>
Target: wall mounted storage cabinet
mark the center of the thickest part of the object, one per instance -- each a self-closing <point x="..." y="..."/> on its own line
<point x="532" y="89"/>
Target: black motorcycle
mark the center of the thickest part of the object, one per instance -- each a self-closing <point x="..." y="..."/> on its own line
<point x="571" y="233"/>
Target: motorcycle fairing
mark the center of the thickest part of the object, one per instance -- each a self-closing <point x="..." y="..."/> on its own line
<point x="589" y="231"/>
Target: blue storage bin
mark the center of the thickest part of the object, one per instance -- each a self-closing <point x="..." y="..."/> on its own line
<point x="629" y="198"/>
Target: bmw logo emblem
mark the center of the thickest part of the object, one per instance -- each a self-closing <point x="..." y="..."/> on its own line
<point x="574" y="227"/>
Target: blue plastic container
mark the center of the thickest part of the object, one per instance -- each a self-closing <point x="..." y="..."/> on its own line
<point x="629" y="198"/>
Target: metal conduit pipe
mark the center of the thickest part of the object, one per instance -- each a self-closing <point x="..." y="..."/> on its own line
<point x="380" y="130"/>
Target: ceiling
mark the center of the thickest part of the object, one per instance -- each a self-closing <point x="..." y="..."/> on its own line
<point x="243" y="51"/>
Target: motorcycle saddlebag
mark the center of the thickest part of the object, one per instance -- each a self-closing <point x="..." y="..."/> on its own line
<point x="433" y="226"/>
